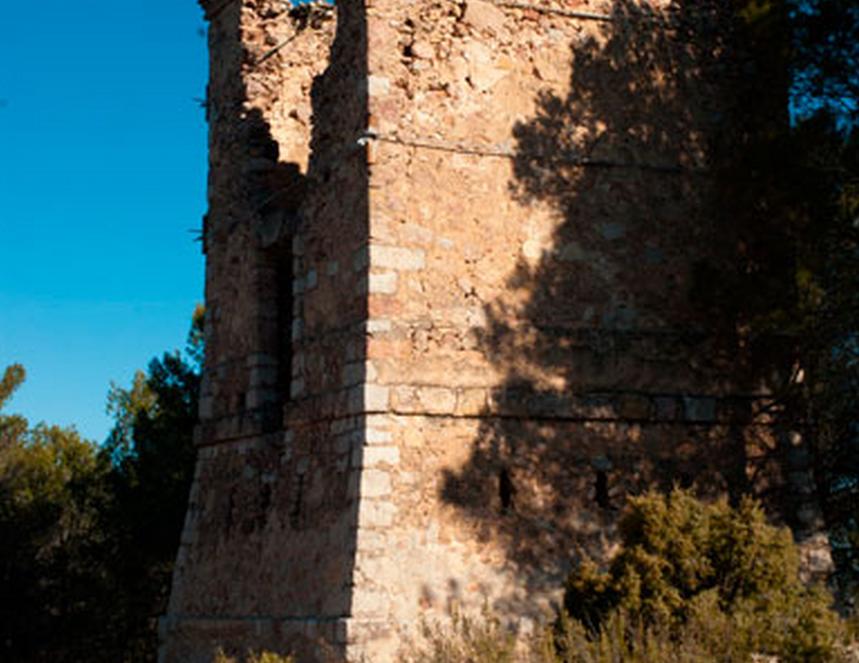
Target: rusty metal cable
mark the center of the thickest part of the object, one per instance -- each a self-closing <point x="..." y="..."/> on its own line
<point x="583" y="161"/>
<point x="570" y="13"/>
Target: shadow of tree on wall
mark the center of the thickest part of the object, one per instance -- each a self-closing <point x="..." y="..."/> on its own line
<point x="621" y="371"/>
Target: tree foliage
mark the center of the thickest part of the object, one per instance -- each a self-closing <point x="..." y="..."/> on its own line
<point x="88" y="533"/>
<point x="825" y="63"/>
<point x="53" y="490"/>
<point x="690" y="582"/>
<point x="152" y="462"/>
<point x="684" y="564"/>
<point x="791" y="180"/>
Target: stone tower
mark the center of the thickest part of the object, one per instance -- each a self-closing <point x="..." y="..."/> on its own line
<point x="457" y="258"/>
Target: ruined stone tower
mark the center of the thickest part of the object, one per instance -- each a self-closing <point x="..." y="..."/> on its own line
<point x="457" y="258"/>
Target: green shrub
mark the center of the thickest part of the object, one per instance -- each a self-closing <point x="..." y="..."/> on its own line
<point x="707" y="576"/>
<point x="691" y="583"/>
<point x="620" y="640"/>
<point x="262" y="657"/>
<point x="464" y="640"/>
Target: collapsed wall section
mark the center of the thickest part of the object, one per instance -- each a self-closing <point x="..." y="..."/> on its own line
<point x="266" y="556"/>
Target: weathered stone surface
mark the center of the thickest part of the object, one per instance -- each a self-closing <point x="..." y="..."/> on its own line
<point x="397" y="257"/>
<point x="376" y="398"/>
<point x="382" y="284"/>
<point x="376" y="455"/>
<point x="375" y="483"/>
<point x="452" y="251"/>
<point x="484" y="16"/>
<point x="699" y="409"/>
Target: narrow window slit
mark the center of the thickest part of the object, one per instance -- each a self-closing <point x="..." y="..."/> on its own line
<point x="601" y="485"/>
<point x="506" y="490"/>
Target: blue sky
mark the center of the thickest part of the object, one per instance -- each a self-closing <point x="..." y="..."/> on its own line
<point x="102" y="183"/>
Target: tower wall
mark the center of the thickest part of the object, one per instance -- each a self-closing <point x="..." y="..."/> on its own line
<point x="543" y="188"/>
<point x="499" y="223"/>
<point x="267" y="553"/>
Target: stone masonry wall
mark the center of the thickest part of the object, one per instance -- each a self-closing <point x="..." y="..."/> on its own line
<point x="267" y="554"/>
<point x="544" y="194"/>
<point x="457" y="312"/>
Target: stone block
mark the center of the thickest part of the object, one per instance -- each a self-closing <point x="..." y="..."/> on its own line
<point x="382" y="284"/>
<point x="396" y="257"/>
<point x="355" y="399"/>
<point x="296" y="388"/>
<point x="484" y="16"/>
<point x="371" y="456"/>
<point x="341" y="425"/>
<point x="339" y="631"/>
<point x="376" y="398"/>
<point x="352" y="374"/>
<point x="612" y="230"/>
<point x="369" y="603"/>
<point x="353" y="484"/>
<point x="471" y="402"/>
<point x="552" y="404"/>
<point x="483" y="72"/>
<point x="297" y="328"/>
<point x="263" y="376"/>
<point x="360" y="259"/>
<point x="369" y="540"/>
<point x="666" y="408"/>
<point x="297" y="364"/>
<point x="206" y="407"/>
<point x="375" y="483"/>
<point x="298" y="286"/>
<point x="378" y="326"/>
<point x="260" y="396"/>
<point x="378" y="85"/>
<point x="437" y="400"/>
<point x="375" y="513"/>
<point x="572" y="252"/>
<point x="378" y="436"/>
<point x="423" y="50"/>
<point x="346" y="443"/>
<point x="370" y="372"/>
<point x="405" y="399"/>
<point x="260" y="359"/>
<point x="633" y="406"/>
<point x="699" y="409"/>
